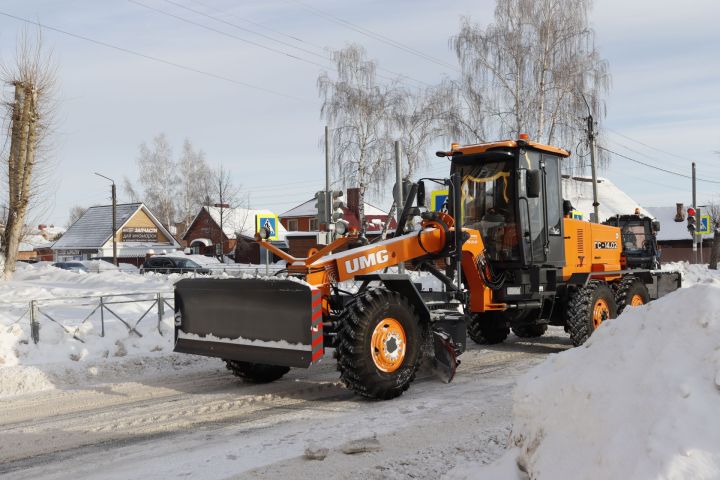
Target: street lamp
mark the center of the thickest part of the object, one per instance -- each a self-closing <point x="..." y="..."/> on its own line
<point x="114" y="228"/>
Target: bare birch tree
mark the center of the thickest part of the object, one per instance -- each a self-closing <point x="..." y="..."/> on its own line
<point x="196" y="175"/>
<point x="359" y="111"/>
<point x="227" y="195"/>
<point x="528" y="72"/>
<point x="130" y="191"/>
<point x="75" y="213"/>
<point x="159" y="179"/>
<point x="32" y="78"/>
<point x="418" y="123"/>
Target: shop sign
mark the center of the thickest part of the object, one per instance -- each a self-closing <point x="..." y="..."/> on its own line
<point x="140" y="234"/>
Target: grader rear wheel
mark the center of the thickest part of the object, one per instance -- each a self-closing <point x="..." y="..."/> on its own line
<point x="631" y="292"/>
<point x="379" y="343"/>
<point x="488" y="328"/>
<point x="588" y="308"/>
<point x="256" y="372"/>
<point x="530" y="331"/>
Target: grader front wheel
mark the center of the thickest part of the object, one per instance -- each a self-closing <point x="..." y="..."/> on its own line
<point x="378" y="344"/>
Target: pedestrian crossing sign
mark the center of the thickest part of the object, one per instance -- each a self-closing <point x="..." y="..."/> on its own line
<point x="270" y="222"/>
<point x="704" y="227"/>
<point x="438" y="201"/>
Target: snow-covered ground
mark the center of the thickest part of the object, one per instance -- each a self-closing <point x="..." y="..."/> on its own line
<point x="636" y="401"/>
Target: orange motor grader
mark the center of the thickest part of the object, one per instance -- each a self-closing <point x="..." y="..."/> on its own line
<point x="506" y="253"/>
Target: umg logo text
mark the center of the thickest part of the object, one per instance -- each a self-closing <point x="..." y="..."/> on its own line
<point x="366" y="261"/>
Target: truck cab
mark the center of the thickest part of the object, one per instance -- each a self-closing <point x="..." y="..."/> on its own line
<point x="639" y="240"/>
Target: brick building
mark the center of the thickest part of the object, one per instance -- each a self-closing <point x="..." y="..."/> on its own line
<point x="236" y="238"/>
<point x="674" y="240"/>
<point x="302" y="225"/>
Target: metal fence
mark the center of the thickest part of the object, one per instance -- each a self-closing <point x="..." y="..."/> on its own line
<point x="231" y="270"/>
<point x="71" y="313"/>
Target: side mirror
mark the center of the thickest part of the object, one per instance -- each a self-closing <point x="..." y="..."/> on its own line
<point x="533" y="184"/>
<point x="656" y="226"/>
<point x="421" y="194"/>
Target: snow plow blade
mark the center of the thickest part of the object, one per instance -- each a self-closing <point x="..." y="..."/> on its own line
<point x="267" y="321"/>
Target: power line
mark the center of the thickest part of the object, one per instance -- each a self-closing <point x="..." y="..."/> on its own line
<point x="649" y="146"/>
<point x="656" y="167"/>
<point x="265" y="27"/>
<point x="220" y="20"/>
<point x="149" y="57"/>
<point x="234" y="25"/>
<point x="259" y="45"/>
<point x="375" y="36"/>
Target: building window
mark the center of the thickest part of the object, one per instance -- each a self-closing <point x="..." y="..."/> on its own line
<point x="293" y="225"/>
<point x="314" y="226"/>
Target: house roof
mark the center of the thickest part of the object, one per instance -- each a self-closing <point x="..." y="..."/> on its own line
<point x="94" y="228"/>
<point x="239" y="220"/>
<point x="669" y="228"/>
<point x="613" y="201"/>
<point x="308" y="209"/>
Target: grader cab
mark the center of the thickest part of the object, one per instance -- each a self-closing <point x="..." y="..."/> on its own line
<point x="506" y="253"/>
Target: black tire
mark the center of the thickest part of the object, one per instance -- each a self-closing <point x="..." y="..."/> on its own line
<point x="580" y="313"/>
<point x="530" y="331"/>
<point x="357" y="363"/>
<point x="488" y="328"/>
<point x="256" y="372"/>
<point x="628" y="288"/>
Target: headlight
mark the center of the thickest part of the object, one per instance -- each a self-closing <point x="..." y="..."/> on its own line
<point x="340" y="227"/>
<point x="514" y="290"/>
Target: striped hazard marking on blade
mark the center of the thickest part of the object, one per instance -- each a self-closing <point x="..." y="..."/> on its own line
<point x="316" y="329"/>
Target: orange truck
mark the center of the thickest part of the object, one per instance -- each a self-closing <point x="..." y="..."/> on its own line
<point x="507" y="254"/>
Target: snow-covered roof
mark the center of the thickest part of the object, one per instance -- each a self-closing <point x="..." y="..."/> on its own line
<point x="308" y="209"/>
<point x="305" y="209"/>
<point x="613" y="201"/>
<point x="240" y="220"/>
<point x="94" y="228"/>
<point x="37" y="241"/>
<point x="669" y="228"/>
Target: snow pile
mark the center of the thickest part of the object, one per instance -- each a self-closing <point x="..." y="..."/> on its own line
<point x="692" y="274"/>
<point x="67" y="338"/>
<point x="636" y="401"/>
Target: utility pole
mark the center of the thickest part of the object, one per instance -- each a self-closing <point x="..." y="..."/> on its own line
<point x="697" y="215"/>
<point x="328" y="195"/>
<point x="591" y="141"/>
<point x="399" y="189"/>
<point x="114" y="217"/>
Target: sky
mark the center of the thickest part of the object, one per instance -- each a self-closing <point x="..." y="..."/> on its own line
<point x="244" y="98"/>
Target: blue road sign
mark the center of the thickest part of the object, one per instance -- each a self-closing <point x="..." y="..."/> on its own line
<point x="269" y="221"/>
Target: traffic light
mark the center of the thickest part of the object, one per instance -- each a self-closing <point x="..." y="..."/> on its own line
<point x="691" y="221"/>
<point x="337" y="205"/>
<point x="321" y="204"/>
<point x="340" y="224"/>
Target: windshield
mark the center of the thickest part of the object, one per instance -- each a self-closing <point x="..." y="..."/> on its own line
<point x="488" y="190"/>
<point x="633" y="237"/>
<point x="187" y="264"/>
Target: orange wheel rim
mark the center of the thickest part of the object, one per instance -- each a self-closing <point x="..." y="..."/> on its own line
<point x="388" y="345"/>
<point x="601" y="312"/>
<point x="636" y="300"/>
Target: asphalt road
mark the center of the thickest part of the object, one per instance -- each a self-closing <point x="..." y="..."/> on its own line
<point x="205" y="423"/>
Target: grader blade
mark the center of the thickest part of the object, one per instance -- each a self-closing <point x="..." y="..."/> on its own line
<point x="445" y="362"/>
<point x="266" y="321"/>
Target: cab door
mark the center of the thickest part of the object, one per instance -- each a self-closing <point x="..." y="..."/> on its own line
<point x="542" y="225"/>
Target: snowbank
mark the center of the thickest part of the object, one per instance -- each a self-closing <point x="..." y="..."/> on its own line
<point x="636" y="401"/>
<point x="74" y="333"/>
